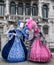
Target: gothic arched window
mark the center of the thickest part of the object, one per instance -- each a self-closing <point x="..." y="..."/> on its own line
<point x="2" y="8"/>
<point x="34" y="10"/>
<point x="20" y="8"/>
<point x="45" y="29"/>
<point x="45" y="11"/>
<point x="12" y="8"/>
<point x="27" y="9"/>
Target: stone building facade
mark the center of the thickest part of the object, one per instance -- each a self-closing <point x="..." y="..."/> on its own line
<point x="40" y="10"/>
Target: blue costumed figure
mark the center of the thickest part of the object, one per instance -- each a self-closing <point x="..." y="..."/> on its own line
<point x="15" y="50"/>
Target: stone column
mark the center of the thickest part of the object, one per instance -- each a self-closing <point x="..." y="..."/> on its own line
<point x="5" y="28"/>
<point x="31" y="5"/>
<point x="50" y="31"/>
<point x="16" y="2"/>
<point x="7" y="7"/>
<point x="24" y="12"/>
<point x="40" y="9"/>
<point x="50" y="10"/>
<point x="51" y="24"/>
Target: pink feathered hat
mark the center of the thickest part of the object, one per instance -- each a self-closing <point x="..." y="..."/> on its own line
<point x="30" y="23"/>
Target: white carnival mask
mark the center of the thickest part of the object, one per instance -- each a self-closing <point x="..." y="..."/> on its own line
<point x="21" y="25"/>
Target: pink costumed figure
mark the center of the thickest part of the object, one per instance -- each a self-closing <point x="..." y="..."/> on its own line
<point x="39" y="52"/>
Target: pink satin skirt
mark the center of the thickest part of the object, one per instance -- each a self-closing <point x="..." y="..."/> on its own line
<point x="39" y="52"/>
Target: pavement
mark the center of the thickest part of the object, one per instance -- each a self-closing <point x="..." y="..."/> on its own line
<point x="2" y="62"/>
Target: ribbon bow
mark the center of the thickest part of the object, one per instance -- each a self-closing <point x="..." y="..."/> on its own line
<point x="11" y="34"/>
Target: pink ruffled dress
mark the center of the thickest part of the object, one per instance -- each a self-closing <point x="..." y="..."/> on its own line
<point x="38" y="51"/>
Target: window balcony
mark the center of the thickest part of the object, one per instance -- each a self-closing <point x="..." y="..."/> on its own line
<point x="22" y="18"/>
<point x="14" y="18"/>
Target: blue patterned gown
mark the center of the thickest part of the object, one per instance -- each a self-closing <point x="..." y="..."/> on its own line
<point x="15" y="50"/>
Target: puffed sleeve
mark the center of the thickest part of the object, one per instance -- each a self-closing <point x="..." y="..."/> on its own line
<point x="10" y="34"/>
<point x="25" y="32"/>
